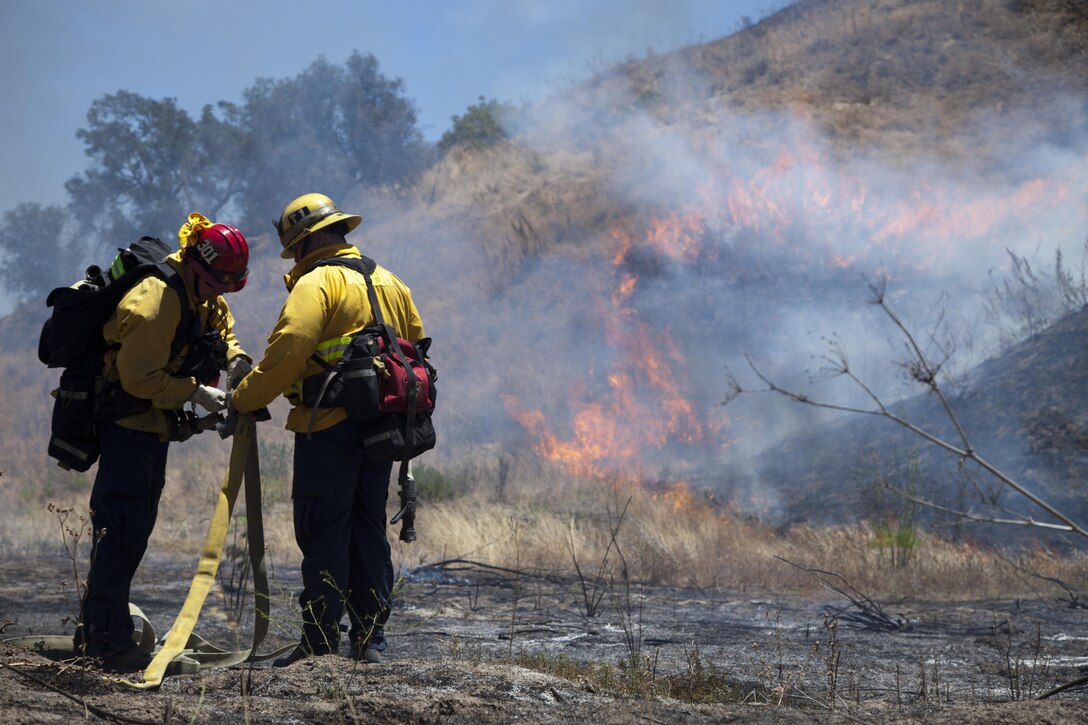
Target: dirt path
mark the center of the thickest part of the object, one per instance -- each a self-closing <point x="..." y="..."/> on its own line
<point x="453" y="635"/>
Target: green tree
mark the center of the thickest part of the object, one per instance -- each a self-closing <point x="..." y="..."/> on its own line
<point x="224" y="155"/>
<point x="481" y="125"/>
<point x="291" y="125"/>
<point x="36" y="251"/>
<point x="328" y="130"/>
<point x="380" y="126"/>
<point x="151" y="164"/>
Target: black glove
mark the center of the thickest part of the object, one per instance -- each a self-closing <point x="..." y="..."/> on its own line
<point x="228" y="423"/>
<point x="188" y="424"/>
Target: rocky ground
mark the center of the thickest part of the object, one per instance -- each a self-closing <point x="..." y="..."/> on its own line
<point x="468" y="645"/>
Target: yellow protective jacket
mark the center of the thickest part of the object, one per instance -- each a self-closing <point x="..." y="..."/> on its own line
<point x="322" y="305"/>
<point x="144" y="326"/>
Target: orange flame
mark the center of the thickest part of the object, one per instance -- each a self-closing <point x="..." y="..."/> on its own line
<point x="646" y="404"/>
<point x="809" y="210"/>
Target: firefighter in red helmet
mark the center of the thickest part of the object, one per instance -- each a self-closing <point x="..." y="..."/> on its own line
<point x="168" y="340"/>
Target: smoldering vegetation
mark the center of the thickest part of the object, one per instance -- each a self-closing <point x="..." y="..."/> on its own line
<point x="592" y="277"/>
<point x="619" y="265"/>
<point x="600" y="279"/>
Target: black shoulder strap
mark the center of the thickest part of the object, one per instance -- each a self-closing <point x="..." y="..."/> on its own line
<point x="404" y="474"/>
<point x="361" y="264"/>
<point x="365" y="266"/>
<point x="183" y="334"/>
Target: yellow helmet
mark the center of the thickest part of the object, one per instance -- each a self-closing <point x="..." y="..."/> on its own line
<point x="307" y="214"/>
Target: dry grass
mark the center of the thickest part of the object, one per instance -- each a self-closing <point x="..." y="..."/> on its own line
<point x="671" y="538"/>
<point x="674" y="539"/>
<point x="531" y="521"/>
<point x="907" y="78"/>
<point x="886" y="73"/>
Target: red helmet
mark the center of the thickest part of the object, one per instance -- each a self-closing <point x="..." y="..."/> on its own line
<point x="220" y="257"/>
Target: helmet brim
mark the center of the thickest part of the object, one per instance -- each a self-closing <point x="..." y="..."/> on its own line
<point x="352" y="220"/>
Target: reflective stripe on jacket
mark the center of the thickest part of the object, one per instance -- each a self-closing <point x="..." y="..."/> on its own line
<point x="330" y="351"/>
<point x="324" y="307"/>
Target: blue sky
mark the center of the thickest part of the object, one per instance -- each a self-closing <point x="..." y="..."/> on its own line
<point x="57" y="56"/>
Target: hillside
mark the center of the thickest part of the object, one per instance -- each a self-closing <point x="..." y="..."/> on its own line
<point x="643" y="230"/>
<point x="1023" y="412"/>
<point x="908" y="79"/>
<point x="975" y="82"/>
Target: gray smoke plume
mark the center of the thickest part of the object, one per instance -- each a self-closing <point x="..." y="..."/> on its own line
<point x="731" y="235"/>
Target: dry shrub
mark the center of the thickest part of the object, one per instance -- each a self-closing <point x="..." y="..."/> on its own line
<point x="670" y="537"/>
<point x="674" y="539"/>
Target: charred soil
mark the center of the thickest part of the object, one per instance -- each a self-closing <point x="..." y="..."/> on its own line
<point x="472" y="644"/>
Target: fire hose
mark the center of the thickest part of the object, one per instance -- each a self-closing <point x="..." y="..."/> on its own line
<point x="181" y="650"/>
<point x="184" y="651"/>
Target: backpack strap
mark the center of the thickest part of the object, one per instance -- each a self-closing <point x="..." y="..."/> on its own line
<point x="361" y="264"/>
<point x="407" y="513"/>
<point x="187" y="331"/>
<point x="365" y="266"/>
<point x="189" y="323"/>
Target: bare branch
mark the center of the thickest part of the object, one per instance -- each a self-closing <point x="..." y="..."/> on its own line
<point x="928" y="375"/>
<point x="869" y="614"/>
<point x="925" y="373"/>
<point x="1073" y="598"/>
<point x="1023" y="521"/>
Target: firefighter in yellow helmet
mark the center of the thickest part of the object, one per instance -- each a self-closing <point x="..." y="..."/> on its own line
<point x="339" y="497"/>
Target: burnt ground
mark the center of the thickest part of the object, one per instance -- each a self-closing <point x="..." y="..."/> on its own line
<point x="458" y="640"/>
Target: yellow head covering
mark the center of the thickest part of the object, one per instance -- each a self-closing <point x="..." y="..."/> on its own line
<point x="190" y="230"/>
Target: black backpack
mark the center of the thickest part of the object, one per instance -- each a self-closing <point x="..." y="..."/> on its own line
<point x="72" y="339"/>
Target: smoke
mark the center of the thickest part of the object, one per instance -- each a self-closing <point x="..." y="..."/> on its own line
<point x="720" y="237"/>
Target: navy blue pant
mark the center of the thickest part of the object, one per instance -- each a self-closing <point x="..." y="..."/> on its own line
<point x="339" y="504"/>
<point x="124" y="506"/>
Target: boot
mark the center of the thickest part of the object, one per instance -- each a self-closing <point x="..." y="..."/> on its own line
<point x="126" y="662"/>
<point x="364" y="652"/>
<point x="298" y="653"/>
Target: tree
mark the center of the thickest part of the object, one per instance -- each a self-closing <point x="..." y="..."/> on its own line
<point x="151" y="165"/>
<point x="291" y="125"/>
<point x="35" y="249"/>
<point x="224" y="153"/>
<point x="480" y="126"/>
<point x="381" y="135"/>
<point x="327" y="130"/>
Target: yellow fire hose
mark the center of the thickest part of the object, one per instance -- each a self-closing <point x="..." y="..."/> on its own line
<point x="182" y="646"/>
<point x="182" y="651"/>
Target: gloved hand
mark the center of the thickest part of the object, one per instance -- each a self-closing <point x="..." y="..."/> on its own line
<point x="238" y="367"/>
<point x="207" y="422"/>
<point x="209" y="398"/>
<point x="226" y="426"/>
<point x="190" y="425"/>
